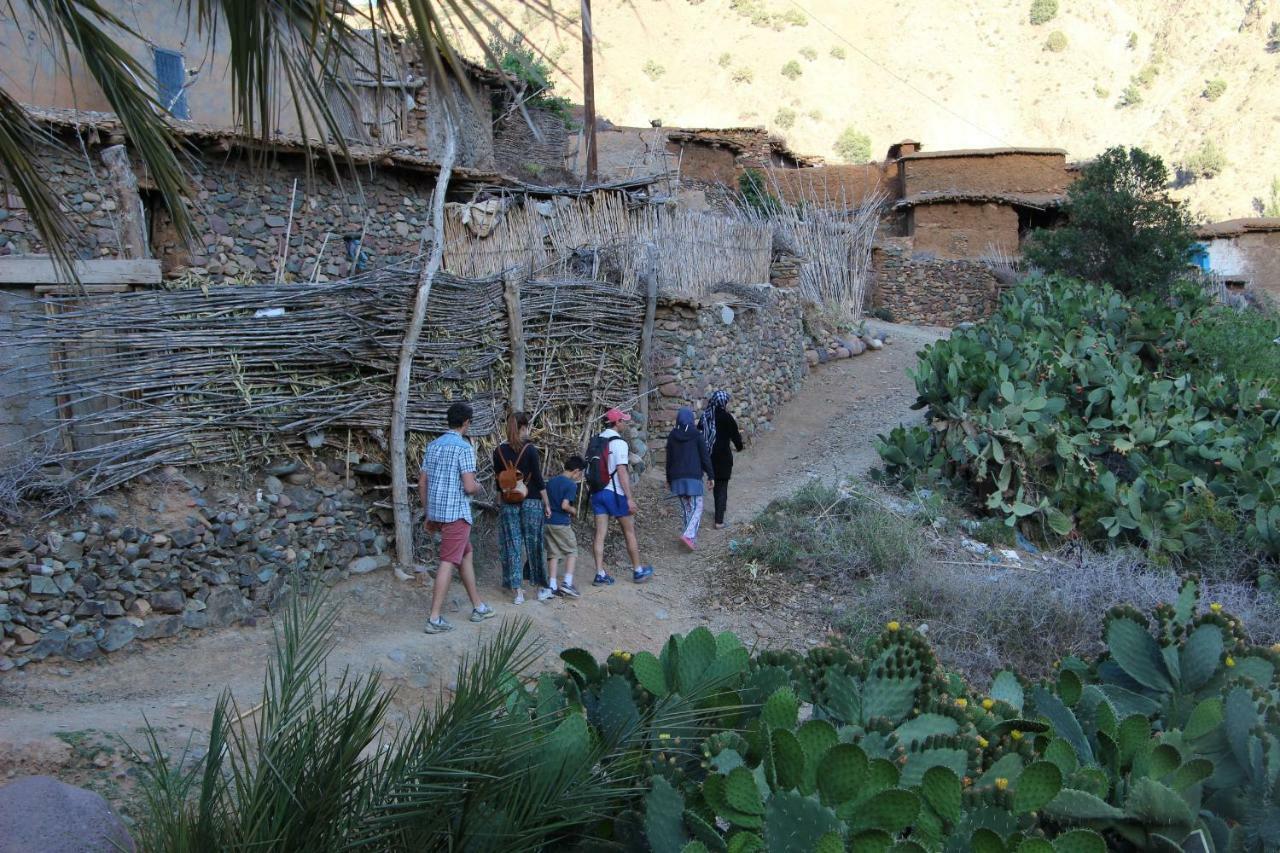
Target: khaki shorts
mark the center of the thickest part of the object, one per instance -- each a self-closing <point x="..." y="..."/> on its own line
<point x="560" y="540"/>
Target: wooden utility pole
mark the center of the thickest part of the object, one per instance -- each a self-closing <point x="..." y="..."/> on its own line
<point x="129" y="214"/>
<point x="588" y="90"/>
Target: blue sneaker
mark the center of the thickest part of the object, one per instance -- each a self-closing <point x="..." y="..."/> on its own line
<point x="642" y="574"/>
<point x="602" y="579"/>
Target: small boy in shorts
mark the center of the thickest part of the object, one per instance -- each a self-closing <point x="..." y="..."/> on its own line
<point x="562" y="491"/>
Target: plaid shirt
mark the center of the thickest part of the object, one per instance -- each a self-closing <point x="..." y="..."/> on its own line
<point x="446" y="460"/>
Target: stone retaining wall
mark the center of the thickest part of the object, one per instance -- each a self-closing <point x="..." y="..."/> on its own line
<point x="931" y="291"/>
<point x="96" y="584"/>
<point x="758" y="357"/>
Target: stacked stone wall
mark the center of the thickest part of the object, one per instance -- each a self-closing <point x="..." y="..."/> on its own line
<point x="757" y="356"/>
<point x="931" y="291"/>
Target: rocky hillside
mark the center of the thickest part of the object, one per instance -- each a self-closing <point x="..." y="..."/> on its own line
<point x="1173" y="76"/>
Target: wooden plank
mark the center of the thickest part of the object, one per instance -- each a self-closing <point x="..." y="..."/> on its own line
<point x="72" y="290"/>
<point x="39" y="269"/>
<point x="129" y="212"/>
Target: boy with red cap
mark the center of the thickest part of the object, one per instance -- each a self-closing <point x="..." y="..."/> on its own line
<point x="615" y="501"/>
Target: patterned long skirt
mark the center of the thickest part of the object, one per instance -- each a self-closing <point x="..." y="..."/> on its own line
<point x="520" y="542"/>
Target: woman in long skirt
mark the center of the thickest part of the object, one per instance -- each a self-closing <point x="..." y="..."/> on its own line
<point x="520" y="524"/>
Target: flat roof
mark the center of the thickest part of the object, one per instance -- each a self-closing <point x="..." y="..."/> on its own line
<point x="981" y="152"/>
<point x="1237" y="227"/>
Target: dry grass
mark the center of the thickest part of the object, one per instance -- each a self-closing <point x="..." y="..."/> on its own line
<point x="982" y="618"/>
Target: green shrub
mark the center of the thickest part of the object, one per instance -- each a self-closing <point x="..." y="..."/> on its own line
<point x="792" y="70"/>
<point x="785" y="118"/>
<point x="1147" y="75"/>
<point x="1271" y="207"/>
<point x="853" y="146"/>
<point x="1043" y="11"/>
<point x="743" y="74"/>
<point x="1101" y="91"/>
<point x="753" y="191"/>
<point x="795" y="18"/>
<point x="1213" y="89"/>
<point x="1065" y="412"/>
<point x="725" y="60"/>
<point x="1056" y="42"/>
<point x="821" y="531"/>
<point x="532" y="74"/>
<point x="653" y="70"/>
<point x="1239" y="343"/>
<point x="1207" y="161"/>
<point x="1123" y="228"/>
<point x="837" y="52"/>
<point x="1132" y="43"/>
<point x="816" y="115"/>
<point x="1173" y="730"/>
<point x="1273" y="37"/>
<point x="808" y="53"/>
<point x="1131" y="96"/>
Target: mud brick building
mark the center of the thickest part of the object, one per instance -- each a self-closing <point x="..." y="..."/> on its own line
<point x="1245" y="252"/>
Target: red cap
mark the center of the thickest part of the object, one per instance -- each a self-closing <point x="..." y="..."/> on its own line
<point x="615" y="415"/>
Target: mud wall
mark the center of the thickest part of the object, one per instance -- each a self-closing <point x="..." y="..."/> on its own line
<point x="963" y="229"/>
<point x="991" y="173"/>
<point x="1253" y="257"/>
<point x="930" y="291"/>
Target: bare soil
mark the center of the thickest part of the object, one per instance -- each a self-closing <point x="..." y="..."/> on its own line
<point x="68" y="719"/>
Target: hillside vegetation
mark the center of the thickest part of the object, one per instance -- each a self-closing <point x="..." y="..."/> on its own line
<point x="1168" y="76"/>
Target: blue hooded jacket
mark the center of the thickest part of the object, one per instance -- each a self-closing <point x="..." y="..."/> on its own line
<point x="687" y="458"/>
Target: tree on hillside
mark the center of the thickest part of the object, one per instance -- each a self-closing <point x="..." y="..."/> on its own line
<point x="275" y="47"/>
<point x="853" y="146"/>
<point x="1123" y="228"/>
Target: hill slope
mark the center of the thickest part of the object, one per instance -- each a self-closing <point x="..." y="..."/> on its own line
<point x="952" y="74"/>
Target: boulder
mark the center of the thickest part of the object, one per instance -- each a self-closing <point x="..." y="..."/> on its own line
<point x="119" y="634"/>
<point x="160" y="626"/>
<point x="40" y="813"/>
<point x="168" y="601"/>
<point x="364" y="565"/>
<point x="225" y="605"/>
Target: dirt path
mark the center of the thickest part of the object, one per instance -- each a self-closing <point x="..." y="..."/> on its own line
<point x="828" y="429"/>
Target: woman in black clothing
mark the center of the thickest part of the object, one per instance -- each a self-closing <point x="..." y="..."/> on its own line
<point x="520" y="524"/>
<point x="720" y="431"/>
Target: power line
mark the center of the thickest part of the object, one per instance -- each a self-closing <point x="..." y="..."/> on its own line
<point x="903" y="80"/>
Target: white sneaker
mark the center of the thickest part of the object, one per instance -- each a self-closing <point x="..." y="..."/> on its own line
<point x="519" y="599"/>
<point x="545" y="594"/>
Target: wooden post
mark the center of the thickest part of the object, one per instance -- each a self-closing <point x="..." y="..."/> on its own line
<point x="588" y="90"/>
<point x="648" y="275"/>
<point x="515" y="333"/>
<point x="124" y="184"/>
<point x="409" y="346"/>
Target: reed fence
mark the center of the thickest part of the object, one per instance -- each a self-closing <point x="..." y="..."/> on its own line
<point x="604" y="234"/>
<point x="223" y="374"/>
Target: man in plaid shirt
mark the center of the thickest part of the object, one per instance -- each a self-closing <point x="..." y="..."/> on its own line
<point x="447" y="481"/>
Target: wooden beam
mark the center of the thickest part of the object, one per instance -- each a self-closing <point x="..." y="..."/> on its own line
<point x="589" y="89"/>
<point x="129" y="212"/>
<point x="39" y="269"/>
<point x="515" y="333"/>
<point x="648" y="275"/>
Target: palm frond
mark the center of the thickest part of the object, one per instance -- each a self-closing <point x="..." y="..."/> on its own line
<point x="23" y="168"/>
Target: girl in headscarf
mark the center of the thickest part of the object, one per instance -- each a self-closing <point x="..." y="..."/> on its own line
<point x="687" y="463"/>
<point x="720" y="431"/>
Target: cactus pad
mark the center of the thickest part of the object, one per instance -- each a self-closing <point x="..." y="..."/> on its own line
<point x="741" y="793"/>
<point x="1137" y="653"/>
<point x="829" y="843"/>
<point x="649" y="674"/>
<point x="1039" y="783"/>
<point x="924" y="726"/>
<point x="842" y="773"/>
<point x="918" y="763"/>
<point x="663" y="821"/>
<point x="745" y="842"/>
<point x="1200" y="656"/>
<point x="1006" y="688"/>
<point x="891" y="811"/>
<point x="1079" y="841"/>
<point x="780" y="709"/>
<point x="793" y="822"/>
<point x="940" y="788"/>
<point x="1073" y="805"/>
<point x="788" y="760"/>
